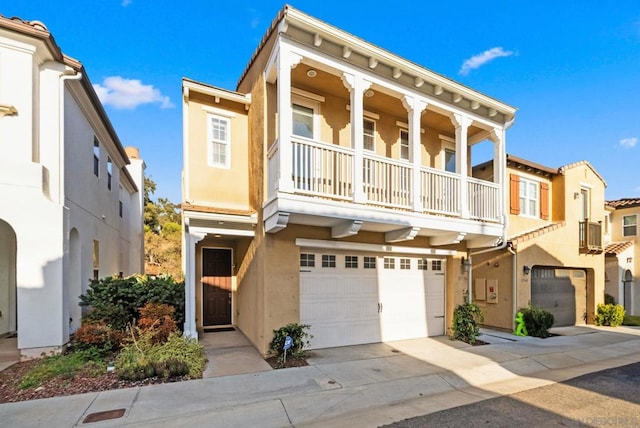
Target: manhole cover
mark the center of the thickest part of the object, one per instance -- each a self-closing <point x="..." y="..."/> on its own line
<point x="103" y="416"/>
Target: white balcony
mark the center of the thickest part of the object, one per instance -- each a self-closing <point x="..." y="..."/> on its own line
<point x="327" y="171"/>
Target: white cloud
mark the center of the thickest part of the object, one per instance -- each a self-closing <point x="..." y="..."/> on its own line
<point x="628" y="143"/>
<point x="126" y="3"/>
<point x="124" y="93"/>
<point x="481" y="59"/>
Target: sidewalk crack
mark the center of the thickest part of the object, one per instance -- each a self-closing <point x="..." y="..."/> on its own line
<point x="285" y="412"/>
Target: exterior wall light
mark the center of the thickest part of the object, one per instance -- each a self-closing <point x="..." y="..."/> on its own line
<point x="526" y="269"/>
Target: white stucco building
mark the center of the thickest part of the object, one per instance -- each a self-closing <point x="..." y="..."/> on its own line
<point x="72" y="197"/>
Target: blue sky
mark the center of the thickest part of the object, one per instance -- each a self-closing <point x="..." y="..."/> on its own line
<point x="571" y="68"/>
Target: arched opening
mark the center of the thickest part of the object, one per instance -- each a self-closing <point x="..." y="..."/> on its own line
<point x="8" y="288"/>
<point x="73" y="287"/>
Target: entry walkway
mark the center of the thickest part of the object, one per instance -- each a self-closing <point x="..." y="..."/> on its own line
<point x="357" y="386"/>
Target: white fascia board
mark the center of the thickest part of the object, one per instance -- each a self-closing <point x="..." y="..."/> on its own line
<point x="296" y="204"/>
<point x="215" y="92"/>
<point x="222" y="232"/>
<point x="338" y="36"/>
<point x="253" y="219"/>
<point x="331" y="62"/>
<point x="374" y="248"/>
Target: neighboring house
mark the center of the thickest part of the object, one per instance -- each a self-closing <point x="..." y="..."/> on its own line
<point x="622" y="257"/>
<point x="554" y="255"/>
<point x="333" y="188"/>
<point x="72" y="198"/>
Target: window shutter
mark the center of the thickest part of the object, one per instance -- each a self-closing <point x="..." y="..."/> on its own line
<point x="514" y="193"/>
<point x="544" y="201"/>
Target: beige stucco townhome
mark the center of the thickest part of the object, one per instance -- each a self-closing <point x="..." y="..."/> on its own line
<point x="71" y="194"/>
<point x="622" y="253"/>
<point x="554" y="255"/>
<point x="333" y="187"/>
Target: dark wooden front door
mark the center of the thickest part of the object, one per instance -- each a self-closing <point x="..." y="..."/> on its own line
<point x="216" y="286"/>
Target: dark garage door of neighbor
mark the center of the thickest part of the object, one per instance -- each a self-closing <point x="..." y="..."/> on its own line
<point x="563" y="292"/>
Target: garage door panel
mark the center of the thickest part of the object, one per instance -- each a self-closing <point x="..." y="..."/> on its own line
<point x="560" y="291"/>
<point x="355" y="306"/>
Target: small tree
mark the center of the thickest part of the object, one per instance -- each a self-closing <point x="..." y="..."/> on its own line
<point x="610" y="315"/>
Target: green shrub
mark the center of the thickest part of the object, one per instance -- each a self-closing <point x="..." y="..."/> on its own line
<point x="297" y="332"/>
<point x="178" y="356"/>
<point x="610" y="315"/>
<point x="537" y="320"/>
<point x="116" y="301"/>
<point x="609" y="299"/>
<point x="465" y="323"/>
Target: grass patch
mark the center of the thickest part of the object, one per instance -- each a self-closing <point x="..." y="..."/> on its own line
<point x="631" y="320"/>
<point x="65" y="366"/>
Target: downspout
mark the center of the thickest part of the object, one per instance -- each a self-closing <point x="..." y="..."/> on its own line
<point x="514" y="283"/>
<point x="66" y="75"/>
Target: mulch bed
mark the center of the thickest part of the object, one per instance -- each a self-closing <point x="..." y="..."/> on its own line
<point x="10" y="390"/>
<point x="291" y="362"/>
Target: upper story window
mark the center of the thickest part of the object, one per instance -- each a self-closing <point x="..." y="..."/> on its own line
<point x="109" y="172"/>
<point x="303" y="121"/>
<point x="404" y="144"/>
<point x="96" y="259"/>
<point x="629" y="225"/>
<point x="305" y="109"/>
<point x="528" y="197"/>
<point x="585" y="204"/>
<point x="449" y="160"/>
<point x="96" y="157"/>
<point x="219" y="141"/>
<point x="369" y="134"/>
<point x="120" y="204"/>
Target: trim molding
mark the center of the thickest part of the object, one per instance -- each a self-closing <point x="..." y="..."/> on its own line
<point x="359" y="246"/>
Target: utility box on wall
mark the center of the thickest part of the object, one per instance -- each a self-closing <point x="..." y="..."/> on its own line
<point x="492" y="291"/>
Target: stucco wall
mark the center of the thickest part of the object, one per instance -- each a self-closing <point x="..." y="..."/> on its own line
<point x="228" y="187"/>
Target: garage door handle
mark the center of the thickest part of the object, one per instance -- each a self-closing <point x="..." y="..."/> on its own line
<point x="378" y="307"/>
<point x="441" y="316"/>
<point x="381" y="307"/>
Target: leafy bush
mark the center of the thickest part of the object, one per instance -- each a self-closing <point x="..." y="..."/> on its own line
<point x="178" y="356"/>
<point x="116" y="301"/>
<point x="97" y="336"/>
<point x="610" y="315"/>
<point x="609" y="299"/>
<point x="297" y="332"/>
<point x="465" y="323"/>
<point x="63" y="365"/>
<point x="157" y="319"/>
<point x="537" y="320"/>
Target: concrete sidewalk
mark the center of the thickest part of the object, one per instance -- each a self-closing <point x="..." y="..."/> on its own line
<point x="368" y="385"/>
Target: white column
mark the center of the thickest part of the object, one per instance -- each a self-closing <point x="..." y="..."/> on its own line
<point x="190" y="329"/>
<point x="415" y="107"/>
<point x="357" y="86"/>
<point x="497" y="136"/>
<point x="461" y="123"/>
<point x="286" y="61"/>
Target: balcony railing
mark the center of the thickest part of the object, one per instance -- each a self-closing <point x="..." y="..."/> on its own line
<point x="327" y="170"/>
<point x="590" y="237"/>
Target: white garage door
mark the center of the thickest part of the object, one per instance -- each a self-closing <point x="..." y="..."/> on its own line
<point x="357" y="298"/>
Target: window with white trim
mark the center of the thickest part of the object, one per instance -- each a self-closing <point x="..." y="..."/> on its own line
<point x="328" y="261"/>
<point x="307" y="260"/>
<point x="629" y="225"/>
<point x="219" y="141"/>
<point x="405" y="264"/>
<point x="404" y="144"/>
<point x="528" y="197"/>
<point x="369" y="134"/>
<point x="96" y="157"/>
<point x="109" y="172"/>
<point x="369" y="262"/>
<point x="449" y="160"/>
<point x="351" y="262"/>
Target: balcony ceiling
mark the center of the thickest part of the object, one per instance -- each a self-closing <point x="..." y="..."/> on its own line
<point x="381" y="103"/>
